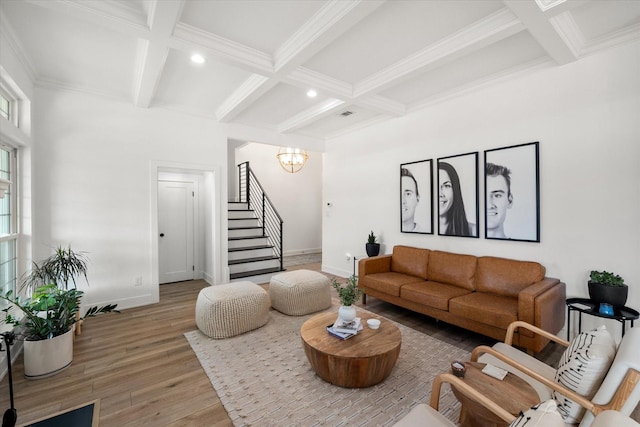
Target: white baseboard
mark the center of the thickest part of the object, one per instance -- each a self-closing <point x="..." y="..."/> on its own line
<point x="302" y="252"/>
<point x="336" y="271"/>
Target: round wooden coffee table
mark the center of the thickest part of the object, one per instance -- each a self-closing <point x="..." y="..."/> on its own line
<point x="361" y="361"/>
<point x="512" y="393"/>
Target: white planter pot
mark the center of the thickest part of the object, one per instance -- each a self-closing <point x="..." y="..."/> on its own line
<point x="347" y="312"/>
<point x="48" y="357"/>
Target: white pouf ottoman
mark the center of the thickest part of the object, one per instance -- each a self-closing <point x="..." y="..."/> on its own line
<point x="300" y="292"/>
<point x="224" y="311"/>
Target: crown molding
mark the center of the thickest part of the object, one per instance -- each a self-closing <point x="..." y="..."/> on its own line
<point x="7" y="32"/>
<point x="568" y="30"/>
<point x="187" y="37"/>
<point x="495" y="27"/>
<point x="116" y="16"/>
<point x="311" y="115"/>
<point x="252" y="88"/>
<point x="305" y="77"/>
<point x="625" y="35"/>
<point x="331" y="21"/>
<point x="476" y="85"/>
<point x="382" y="105"/>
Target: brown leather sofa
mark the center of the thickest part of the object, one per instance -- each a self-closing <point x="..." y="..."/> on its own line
<point x="482" y="294"/>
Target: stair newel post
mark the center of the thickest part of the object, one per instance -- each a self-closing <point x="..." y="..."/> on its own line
<point x="281" y="253"/>
<point x="264" y="215"/>
<point x="248" y="185"/>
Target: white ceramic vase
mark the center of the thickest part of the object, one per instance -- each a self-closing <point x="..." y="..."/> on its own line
<point x="44" y="358"/>
<point x="347" y="312"/>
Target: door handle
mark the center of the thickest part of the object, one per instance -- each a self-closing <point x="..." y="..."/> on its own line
<point x="161" y="234"/>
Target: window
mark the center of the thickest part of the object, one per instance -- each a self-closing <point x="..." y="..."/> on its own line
<point x="4" y="106"/>
<point x="8" y="223"/>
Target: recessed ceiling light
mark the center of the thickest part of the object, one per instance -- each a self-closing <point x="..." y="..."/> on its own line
<point x="312" y="93"/>
<point x="197" y="58"/>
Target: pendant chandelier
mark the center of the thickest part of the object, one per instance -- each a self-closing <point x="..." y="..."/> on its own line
<point x="292" y="159"/>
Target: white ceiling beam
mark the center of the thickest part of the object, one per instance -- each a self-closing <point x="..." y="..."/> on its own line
<point x="311" y="115"/>
<point x="382" y="105"/>
<point x="495" y="27"/>
<point x="330" y="22"/>
<point x="542" y="29"/>
<point x="163" y="17"/>
<point x="253" y="88"/>
<point x="188" y="38"/>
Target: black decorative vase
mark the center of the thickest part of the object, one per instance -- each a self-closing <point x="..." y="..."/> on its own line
<point x="614" y="295"/>
<point x="373" y="249"/>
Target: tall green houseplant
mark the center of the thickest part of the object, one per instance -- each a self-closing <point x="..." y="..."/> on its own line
<point x="60" y="269"/>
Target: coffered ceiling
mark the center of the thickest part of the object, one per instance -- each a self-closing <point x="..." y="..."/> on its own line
<point x="375" y="59"/>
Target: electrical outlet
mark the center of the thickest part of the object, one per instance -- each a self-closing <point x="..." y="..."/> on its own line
<point x="137" y="281"/>
<point x="347" y="256"/>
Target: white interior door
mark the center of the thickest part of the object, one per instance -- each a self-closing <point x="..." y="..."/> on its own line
<point x="175" y="226"/>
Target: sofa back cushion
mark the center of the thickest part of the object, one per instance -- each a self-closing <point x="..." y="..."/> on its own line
<point x="506" y="277"/>
<point x="411" y="261"/>
<point x="453" y="269"/>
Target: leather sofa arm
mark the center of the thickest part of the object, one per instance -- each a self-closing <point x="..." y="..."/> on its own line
<point x="376" y="264"/>
<point x="542" y="304"/>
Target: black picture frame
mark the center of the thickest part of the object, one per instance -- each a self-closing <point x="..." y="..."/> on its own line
<point x="514" y="170"/>
<point x="457" y="192"/>
<point x="416" y="216"/>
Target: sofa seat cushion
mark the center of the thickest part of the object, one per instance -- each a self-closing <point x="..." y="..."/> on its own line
<point x="389" y="283"/>
<point x="453" y="269"/>
<point x="494" y="310"/>
<point x="411" y="261"/>
<point x="432" y="294"/>
<point x="507" y="277"/>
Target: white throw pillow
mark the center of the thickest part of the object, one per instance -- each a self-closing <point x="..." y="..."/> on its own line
<point x="582" y="369"/>
<point x="544" y="414"/>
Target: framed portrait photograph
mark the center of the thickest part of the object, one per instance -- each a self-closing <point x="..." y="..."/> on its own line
<point x="416" y="197"/>
<point x="512" y="193"/>
<point x="458" y="211"/>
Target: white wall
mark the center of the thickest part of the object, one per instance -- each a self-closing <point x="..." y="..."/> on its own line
<point x="93" y="166"/>
<point x="297" y="196"/>
<point x="586" y="116"/>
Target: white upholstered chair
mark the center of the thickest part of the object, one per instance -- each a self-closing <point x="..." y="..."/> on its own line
<point x="618" y="390"/>
<point x="427" y="415"/>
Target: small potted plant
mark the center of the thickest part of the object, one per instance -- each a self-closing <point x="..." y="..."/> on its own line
<point x="608" y="288"/>
<point x="348" y="293"/>
<point x="372" y="246"/>
<point x="46" y="325"/>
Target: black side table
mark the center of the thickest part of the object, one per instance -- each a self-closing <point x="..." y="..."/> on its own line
<point x="585" y="305"/>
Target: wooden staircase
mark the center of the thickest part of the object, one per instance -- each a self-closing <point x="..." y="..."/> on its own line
<point x="250" y="253"/>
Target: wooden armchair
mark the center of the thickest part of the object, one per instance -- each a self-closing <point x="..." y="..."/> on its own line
<point x="425" y="415"/>
<point x="618" y="391"/>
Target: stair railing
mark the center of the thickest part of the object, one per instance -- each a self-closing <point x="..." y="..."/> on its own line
<point x="252" y="193"/>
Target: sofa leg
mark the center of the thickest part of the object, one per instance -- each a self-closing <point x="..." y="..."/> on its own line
<point x="364" y="299"/>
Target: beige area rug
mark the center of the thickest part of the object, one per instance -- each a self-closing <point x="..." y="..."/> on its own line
<point x="263" y="378"/>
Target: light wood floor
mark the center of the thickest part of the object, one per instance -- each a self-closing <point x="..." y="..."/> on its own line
<point x="142" y="369"/>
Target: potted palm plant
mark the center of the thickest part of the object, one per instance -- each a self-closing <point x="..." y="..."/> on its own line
<point x="608" y="288"/>
<point x="46" y="326"/>
<point x="348" y="295"/>
<point x="52" y="311"/>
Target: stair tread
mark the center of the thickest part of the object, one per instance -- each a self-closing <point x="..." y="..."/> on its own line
<point x="249" y="248"/>
<point x="255" y="272"/>
<point x="254" y="259"/>
<point x="255" y="236"/>
<point x="244" y="228"/>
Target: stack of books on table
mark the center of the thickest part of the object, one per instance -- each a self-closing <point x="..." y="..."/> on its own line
<point x="343" y="329"/>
